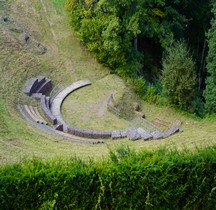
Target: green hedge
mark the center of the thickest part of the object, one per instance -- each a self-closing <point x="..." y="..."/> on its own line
<point x="126" y="180"/>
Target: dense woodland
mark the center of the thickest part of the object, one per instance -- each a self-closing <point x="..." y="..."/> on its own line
<point x="167" y="48"/>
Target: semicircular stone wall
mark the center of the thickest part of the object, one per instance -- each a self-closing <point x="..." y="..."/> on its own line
<point x="37" y="88"/>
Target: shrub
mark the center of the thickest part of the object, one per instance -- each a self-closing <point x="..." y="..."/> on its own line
<point x="197" y="107"/>
<point x="178" y="78"/>
<point x="139" y="86"/>
<point x="150" y="94"/>
<point x="157" y="179"/>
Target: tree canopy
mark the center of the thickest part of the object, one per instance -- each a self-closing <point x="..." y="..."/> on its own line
<point x="178" y="77"/>
<point x="112" y="29"/>
<point x="131" y="36"/>
<point x="210" y="91"/>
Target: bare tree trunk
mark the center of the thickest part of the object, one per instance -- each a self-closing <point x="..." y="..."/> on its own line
<point x="202" y="65"/>
<point x="136" y="47"/>
<point x="136" y="43"/>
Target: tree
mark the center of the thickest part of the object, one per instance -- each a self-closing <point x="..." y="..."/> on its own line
<point x="113" y="29"/>
<point x="197" y="24"/>
<point x="210" y="91"/>
<point x="178" y="77"/>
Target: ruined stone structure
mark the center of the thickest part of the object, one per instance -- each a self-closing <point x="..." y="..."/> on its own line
<point x="38" y="87"/>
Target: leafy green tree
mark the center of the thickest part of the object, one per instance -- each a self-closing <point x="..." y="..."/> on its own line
<point x="113" y="29"/>
<point x="178" y="77"/>
<point x="210" y="91"/>
<point x="196" y="25"/>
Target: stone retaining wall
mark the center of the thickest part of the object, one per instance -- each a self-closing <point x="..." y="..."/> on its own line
<point x="37" y="85"/>
<point x="88" y="133"/>
<point x="47" y="112"/>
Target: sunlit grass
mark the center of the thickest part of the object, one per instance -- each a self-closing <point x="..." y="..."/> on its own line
<point x="87" y="107"/>
<point x="59" y="5"/>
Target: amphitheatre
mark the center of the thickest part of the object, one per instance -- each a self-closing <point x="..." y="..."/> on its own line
<point x="55" y="96"/>
<point x="76" y="133"/>
<point x="51" y="108"/>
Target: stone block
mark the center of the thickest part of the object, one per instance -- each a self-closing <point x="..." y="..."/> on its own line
<point x="116" y="134"/>
<point x="145" y="135"/>
<point x="59" y="127"/>
<point x="34" y="84"/>
<point x="157" y="135"/>
<point x="105" y="134"/>
<point x="87" y="133"/>
<point x="41" y="80"/>
<point x="47" y="112"/>
<point x="133" y="134"/>
<point x="96" y="134"/>
<point x="171" y="131"/>
<point x="124" y="133"/>
<point x="47" y="100"/>
<point x="71" y="129"/>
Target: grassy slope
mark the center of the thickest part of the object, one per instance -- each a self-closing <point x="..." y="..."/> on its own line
<point x="65" y="62"/>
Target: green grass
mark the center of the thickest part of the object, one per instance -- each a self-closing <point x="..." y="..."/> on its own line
<point x="59" y="5"/>
<point x="65" y="62"/>
<point x="87" y="107"/>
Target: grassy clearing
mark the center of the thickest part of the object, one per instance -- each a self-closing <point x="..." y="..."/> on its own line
<point x="65" y="62"/>
<point x="87" y="107"/>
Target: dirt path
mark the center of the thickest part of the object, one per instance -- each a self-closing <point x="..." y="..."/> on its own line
<point x="49" y="21"/>
<point x="54" y="24"/>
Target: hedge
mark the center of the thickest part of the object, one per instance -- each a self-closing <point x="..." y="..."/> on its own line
<point x="126" y="180"/>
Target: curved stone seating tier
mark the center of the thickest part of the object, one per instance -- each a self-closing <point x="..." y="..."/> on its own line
<point x="88" y="133"/>
<point x="57" y="101"/>
<point x="171" y="131"/>
<point x="116" y="134"/>
<point x="31" y="114"/>
<point x="51" y="130"/>
<point x="52" y="110"/>
<point x="34" y="110"/>
<point x="47" y="112"/>
<point x="47" y="101"/>
<point x="144" y="134"/>
<point x="55" y="91"/>
<point x="38" y="114"/>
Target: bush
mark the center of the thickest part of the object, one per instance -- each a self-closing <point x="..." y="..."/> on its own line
<point x="197" y="107"/>
<point x="139" y="85"/>
<point x="150" y="94"/>
<point x="127" y="180"/>
<point x="178" y="78"/>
